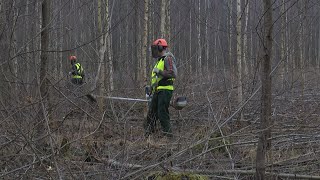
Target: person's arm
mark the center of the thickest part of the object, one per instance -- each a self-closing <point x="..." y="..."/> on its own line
<point x="74" y="70"/>
<point x="170" y="69"/>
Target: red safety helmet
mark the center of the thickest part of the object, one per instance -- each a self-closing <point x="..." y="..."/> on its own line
<point x="158" y="46"/>
<point x="72" y="58"/>
<point x="160" y="42"/>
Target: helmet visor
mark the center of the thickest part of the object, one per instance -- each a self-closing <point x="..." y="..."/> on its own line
<point x="155" y="51"/>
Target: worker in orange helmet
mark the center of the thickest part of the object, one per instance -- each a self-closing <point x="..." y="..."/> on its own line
<point x="77" y="71"/>
<point x="162" y="78"/>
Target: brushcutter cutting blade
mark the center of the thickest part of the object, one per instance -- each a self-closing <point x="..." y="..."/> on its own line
<point x="180" y="102"/>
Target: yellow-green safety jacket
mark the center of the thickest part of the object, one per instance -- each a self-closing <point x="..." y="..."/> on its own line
<point x="79" y="71"/>
<point x="157" y="81"/>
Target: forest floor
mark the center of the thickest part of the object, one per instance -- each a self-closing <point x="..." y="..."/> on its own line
<point x="208" y="140"/>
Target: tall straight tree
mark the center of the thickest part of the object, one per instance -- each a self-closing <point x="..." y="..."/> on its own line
<point x="104" y="51"/>
<point x="239" y="53"/>
<point x="282" y="45"/>
<point x="143" y="70"/>
<point x="44" y="48"/>
<point x="265" y="116"/>
<point x="230" y="3"/>
<point x="199" y="63"/>
<point x="168" y="21"/>
<point x="163" y="19"/>
<point x="245" y="57"/>
<point x="44" y="82"/>
<point x="101" y="65"/>
<point x="108" y="44"/>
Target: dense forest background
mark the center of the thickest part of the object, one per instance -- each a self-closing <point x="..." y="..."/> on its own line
<point x="249" y="69"/>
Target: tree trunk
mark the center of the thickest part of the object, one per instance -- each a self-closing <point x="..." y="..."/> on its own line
<point x="199" y="63"/>
<point x="168" y="21"/>
<point x="265" y="117"/>
<point x="190" y="40"/>
<point x="100" y="78"/>
<point x="13" y="50"/>
<point x="230" y="41"/>
<point x="108" y="44"/>
<point x="60" y="44"/>
<point x="245" y="57"/>
<point x="282" y="45"/>
<point x="143" y="69"/>
<point x="44" y="67"/>
<point x="239" y="58"/>
<point x="163" y="19"/>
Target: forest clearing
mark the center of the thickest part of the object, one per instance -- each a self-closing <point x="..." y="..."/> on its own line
<point x="246" y="72"/>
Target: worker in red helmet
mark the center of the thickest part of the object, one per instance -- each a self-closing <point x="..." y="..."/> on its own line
<point x="162" y="78"/>
<point x="77" y="71"/>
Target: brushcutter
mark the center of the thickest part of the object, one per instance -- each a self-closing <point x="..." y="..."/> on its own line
<point x="178" y="103"/>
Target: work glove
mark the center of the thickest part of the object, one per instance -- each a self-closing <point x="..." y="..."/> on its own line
<point x="156" y="70"/>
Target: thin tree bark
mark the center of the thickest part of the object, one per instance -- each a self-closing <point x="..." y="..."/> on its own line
<point x="108" y="44"/>
<point x="101" y="65"/>
<point x="265" y="116"/>
<point x="190" y="40"/>
<point x="143" y="69"/>
<point x="44" y="82"/>
<point x="230" y="2"/>
<point x="245" y="57"/>
<point x="168" y="21"/>
<point x="13" y="50"/>
<point x="282" y="45"/>
<point x="163" y="19"/>
<point x="199" y="63"/>
<point x="239" y="58"/>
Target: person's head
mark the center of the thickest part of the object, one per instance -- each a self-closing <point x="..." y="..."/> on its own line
<point x="158" y="48"/>
<point x="73" y="59"/>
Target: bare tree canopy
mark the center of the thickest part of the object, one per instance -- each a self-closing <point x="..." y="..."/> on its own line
<point x="249" y="70"/>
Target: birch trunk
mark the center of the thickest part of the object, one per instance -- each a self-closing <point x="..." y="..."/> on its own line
<point x="101" y="65"/>
<point x="143" y="69"/>
<point x="108" y="44"/>
<point x="44" y="89"/>
<point x="302" y="58"/>
<point x="190" y="40"/>
<point x="265" y="117"/>
<point x="13" y="50"/>
<point x="60" y="44"/>
<point x="282" y="45"/>
<point x="168" y="21"/>
<point x="239" y="58"/>
<point x="207" y="37"/>
<point x="163" y="19"/>
<point x="245" y="57"/>
<point x="199" y="68"/>
<point x="230" y="41"/>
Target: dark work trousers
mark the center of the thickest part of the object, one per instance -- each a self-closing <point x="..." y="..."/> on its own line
<point x="77" y="81"/>
<point x="159" y="109"/>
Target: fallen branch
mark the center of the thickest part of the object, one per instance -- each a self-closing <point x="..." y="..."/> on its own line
<point x="248" y="172"/>
<point x="119" y="164"/>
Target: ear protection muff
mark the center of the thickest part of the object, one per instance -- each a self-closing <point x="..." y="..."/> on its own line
<point x="160" y="48"/>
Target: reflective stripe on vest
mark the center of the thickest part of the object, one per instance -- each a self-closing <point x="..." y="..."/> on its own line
<point x="79" y="71"/>
<point x="155" y="80"/>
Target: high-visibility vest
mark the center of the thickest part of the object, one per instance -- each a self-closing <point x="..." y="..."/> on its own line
<point x="158" y="82"/>
<point x="79" y="71"/>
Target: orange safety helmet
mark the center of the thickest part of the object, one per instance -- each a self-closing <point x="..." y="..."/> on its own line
<point x="158" y="46"/>
<point x="71" y="58"/>
<point x="160" y="42"/>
